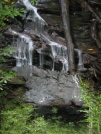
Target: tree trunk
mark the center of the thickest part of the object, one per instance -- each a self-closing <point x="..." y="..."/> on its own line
<point x="69" y="42"/>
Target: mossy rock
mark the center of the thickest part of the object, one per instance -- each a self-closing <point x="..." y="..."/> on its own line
<point x="16" y="81"/>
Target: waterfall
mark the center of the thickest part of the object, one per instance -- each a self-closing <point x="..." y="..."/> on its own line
<point x="24" y="49"/>
<point x="60" y="52"/>
<point x="46" y="87"/>
<point x="38" y="22"/>
<point x="80" y="61"/>
<point x="57" y="50"/>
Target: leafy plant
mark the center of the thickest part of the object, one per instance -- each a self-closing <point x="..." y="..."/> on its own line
<point x="93" y="102"/>
<point x="54" y="110"/>
<point x="6" y="52"/>
<point x="8" y="10"/>
<point x="5" y="74"/>
<point x="34" y="2"/>
<point x="16" y="119"/>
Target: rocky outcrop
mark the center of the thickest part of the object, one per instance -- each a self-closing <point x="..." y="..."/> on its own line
<point x="50" y="88"/>
<point x="46" y="88"/>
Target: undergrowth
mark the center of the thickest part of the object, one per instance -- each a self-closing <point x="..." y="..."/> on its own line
<point x="92" y="101"/>
<point x="17" y="119"/>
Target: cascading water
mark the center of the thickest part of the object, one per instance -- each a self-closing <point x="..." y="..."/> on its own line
<point x="76" y="92"/>
<point x="63" y="90"/>
<point x="25" y="44"/>
<point x="56" y="49"/>
<point x="39" y="23"/>
<point x="80" y="61"/>
<point x="24" y="49"/>
<point x="59" y="51"/>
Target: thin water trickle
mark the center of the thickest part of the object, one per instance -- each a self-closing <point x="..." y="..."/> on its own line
<point x="80" y="61"/>
<point x="76" y="92"/>
<point x="41" y="59"/>
<point x="61" y="52"/>
<point x="76" y="80"/>
<point x="65" y="65"/>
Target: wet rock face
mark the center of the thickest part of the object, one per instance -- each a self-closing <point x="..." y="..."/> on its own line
<point x="50" y="88"/>
<point x="82" y="25"/>
<point x="81" y="29"/>
<point x="80" y="21"/>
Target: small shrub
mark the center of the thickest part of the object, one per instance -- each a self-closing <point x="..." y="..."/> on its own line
<point x="92" y="100"/>
<point x="5" y="74"/>
<point x="8" y="10"/>
<point x="17" y="119"/>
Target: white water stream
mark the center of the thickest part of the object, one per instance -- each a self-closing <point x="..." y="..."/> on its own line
<point x="25" y="45"/>
<point x="76" y="92"/>
<point x="80" y="61"/>
<point x="38" y="21"/>
<point x="24" y="49"/>
<point x="57" y="49"/>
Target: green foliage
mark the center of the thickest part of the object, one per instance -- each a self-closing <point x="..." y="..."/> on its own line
<point x="7" y="51"/>
<point x="7" y="9"/>
<point x="5" y="75"/>
<point x="33" y="2"/>
<point x="93" y="102"/>
<point x="17" y="119"/>
<point x="54" y="110"/>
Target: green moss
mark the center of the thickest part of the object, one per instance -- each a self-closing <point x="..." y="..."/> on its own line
<point x="16" y="81"/>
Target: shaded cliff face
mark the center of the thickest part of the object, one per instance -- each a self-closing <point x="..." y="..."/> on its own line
<point x="85" y="30"/>
<point x="81" y="21"/>
<point x="85" y="27"/>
